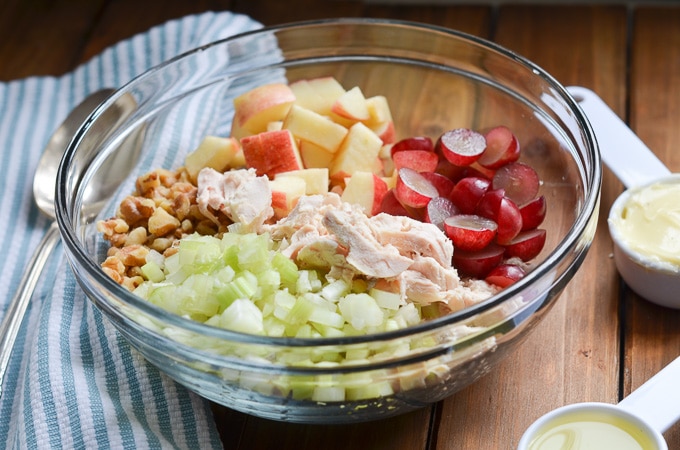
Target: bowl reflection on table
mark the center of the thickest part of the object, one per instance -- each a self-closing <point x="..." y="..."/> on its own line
<point x="435" y="79"/>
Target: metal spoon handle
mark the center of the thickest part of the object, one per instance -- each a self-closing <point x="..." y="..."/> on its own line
<point x="14" y="316"/>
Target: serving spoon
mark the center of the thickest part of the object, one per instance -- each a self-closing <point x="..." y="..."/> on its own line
<point x="44" y="183"/>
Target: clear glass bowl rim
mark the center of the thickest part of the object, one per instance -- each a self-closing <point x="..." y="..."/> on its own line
<point x="591" y="184"/>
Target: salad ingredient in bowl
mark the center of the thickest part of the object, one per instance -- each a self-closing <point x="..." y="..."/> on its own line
<point x="332" y="336"/>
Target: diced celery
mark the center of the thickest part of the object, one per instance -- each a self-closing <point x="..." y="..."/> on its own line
<point x="254" y="252"/>
<point x="357" y="353"/>
<point x="274" y="327"/>
<point x="287" y="269"/>
<point x="172" y="263"/>
<point x="152" y="272"/>
<point x="409" y="313"/>
<point x="243" y="286"/>
<point x="269" y="281"/>
<point x="163" y="295"/>
<point x="361" y="311"/>
<point x="334" y="290"/>
<point x="242" y="315"/>
<point x="328" y="331"/>
<point x="371" y="390"/>
<point x="387" y="300"/>
<point x="326" y="317"/>
<point x="300" y="312"/>
<point x="328" y="394"/>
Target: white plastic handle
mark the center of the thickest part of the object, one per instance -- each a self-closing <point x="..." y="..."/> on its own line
<point x="621" y="149"/>
<point x="657" y="401"/>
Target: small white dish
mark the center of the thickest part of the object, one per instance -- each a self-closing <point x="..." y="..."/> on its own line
<point x="638" y="168"/>
<point x="637" y="422"/>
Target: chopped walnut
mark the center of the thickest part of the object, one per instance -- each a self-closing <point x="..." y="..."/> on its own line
<point x="135" y="209"/>
<point x="161" y="211"/>
<point x="162" y="223"/>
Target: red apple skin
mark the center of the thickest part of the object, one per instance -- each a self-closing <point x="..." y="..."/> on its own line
<point x="260" y="99"/>
<point x="271" y="152"/>
<point x="386" y="132"/>
<point x="379" y="192"/>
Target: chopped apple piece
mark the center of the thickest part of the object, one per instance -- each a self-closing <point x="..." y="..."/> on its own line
<point x="307" y="125"/>
<point x="214" y="152"/>
<point x="385" y="131"/>
<point x="275" y="125"/>
<point x="366" y="190"/>
<point x="285" y="193"/>
<point x="378" y="110"/>
<point x="256" y="108"/>
<point x="358" y="152"/>
<point x="314" y="156"/>
<point x="316" y="179"/>
<point x="272" y="152"/>
<point x="352" y="105"/>
<point x="380" y="118"/>
<point x="317" y="94"/>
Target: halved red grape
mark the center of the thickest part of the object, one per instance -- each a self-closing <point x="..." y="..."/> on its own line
<point x="499" y="208"/>
<point x="413" y="189"/>
<point x="533" y="213"/>
<point x="502" y="147"/>
<point x="413" y="143"/>
<point x="520" y="182"/>
<point x="526" y="245"/>
<point x="461" y="146"/>
<point x="438" y="210"/>
<point x="392" y="206"/>
<point x="467" y="193"/>
<point x="478" y="264"/>
<point x="470" y="232"/>
<point x="505" y="275"/>
<point x="443" y="184"/>
<point x="418" y="160"/>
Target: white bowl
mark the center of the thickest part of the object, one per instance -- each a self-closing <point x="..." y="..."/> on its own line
<point x="656" y="280"/>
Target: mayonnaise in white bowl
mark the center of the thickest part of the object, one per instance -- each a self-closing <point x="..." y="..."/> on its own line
<point x="644" y="221"/>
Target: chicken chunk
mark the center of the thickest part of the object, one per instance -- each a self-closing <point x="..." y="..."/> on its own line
<point x="240" y="195"/>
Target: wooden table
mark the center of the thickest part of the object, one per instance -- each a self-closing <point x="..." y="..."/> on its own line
<point x="599" y="342"/>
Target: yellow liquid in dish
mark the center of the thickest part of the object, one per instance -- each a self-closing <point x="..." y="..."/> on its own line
<point x="591" y="431"/>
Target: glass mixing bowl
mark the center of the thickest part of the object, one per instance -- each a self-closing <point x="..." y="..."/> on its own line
<point x="435" y="79"/>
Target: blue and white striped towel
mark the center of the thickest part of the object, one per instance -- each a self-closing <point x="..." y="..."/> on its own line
<point x="72" y="381"/>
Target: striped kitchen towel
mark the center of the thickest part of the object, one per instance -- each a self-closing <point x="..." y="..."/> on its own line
<point x="72" y="381"/>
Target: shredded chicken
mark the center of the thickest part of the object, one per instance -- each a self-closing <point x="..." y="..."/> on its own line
<point x="413" y="257"/>
<point x="239" y="194"/>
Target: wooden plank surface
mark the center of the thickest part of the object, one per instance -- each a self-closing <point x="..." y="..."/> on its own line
<point x="576" y="353"/>
<point x="652" y="333"/>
